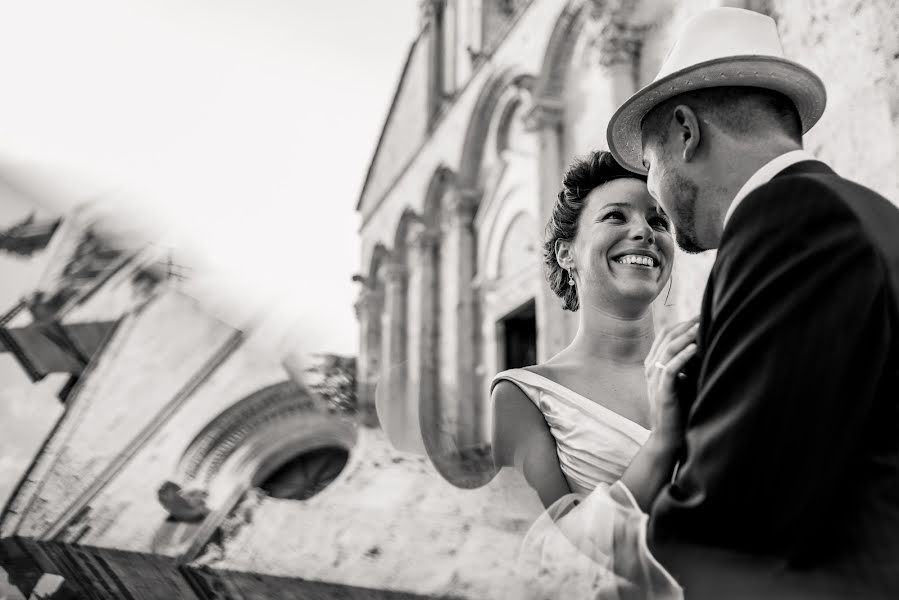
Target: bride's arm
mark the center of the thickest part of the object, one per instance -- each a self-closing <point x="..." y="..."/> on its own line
<point x="521" y="439"/>
<point x="651" y="469"/>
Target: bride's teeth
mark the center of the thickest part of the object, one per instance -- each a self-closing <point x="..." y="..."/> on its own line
<point x="634" y="259"/>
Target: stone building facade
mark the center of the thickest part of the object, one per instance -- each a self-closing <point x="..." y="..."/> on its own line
<point x="494" y="101"/>
<point x="192" y="462"/>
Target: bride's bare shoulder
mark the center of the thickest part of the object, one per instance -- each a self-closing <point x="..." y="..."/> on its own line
<point x="558" y="368"/>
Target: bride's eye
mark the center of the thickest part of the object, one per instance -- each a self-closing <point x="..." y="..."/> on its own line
<point x="660" y="222"/>
<point x="617" y="215"/>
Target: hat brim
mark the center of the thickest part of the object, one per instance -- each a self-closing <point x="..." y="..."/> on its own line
<point x="798" y="83"/>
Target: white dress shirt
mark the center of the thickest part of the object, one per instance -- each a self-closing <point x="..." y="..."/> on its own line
<point x="765" y="174"/>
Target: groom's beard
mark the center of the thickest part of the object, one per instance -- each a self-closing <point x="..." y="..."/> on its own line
<point x="684" y="216"/>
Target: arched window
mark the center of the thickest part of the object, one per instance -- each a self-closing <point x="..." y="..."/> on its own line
<point x="281" y="439"/>
<point x="306" y="474"/>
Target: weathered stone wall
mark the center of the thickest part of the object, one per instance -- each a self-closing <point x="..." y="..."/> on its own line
<point x="390" y="522"/>
<point x="854" y="47"/>
<point x="404" y="127"/>
<point x="127" y="514"/>
<point x="161" y="357"/>
<point x="522" y="51"/>
<point x="497" y="17"/>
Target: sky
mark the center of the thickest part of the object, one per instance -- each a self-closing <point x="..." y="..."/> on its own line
<point x="245" y="127"/>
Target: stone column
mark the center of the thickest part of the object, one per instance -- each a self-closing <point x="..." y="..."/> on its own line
<point x="391" y="390"/>
<point x="368" y="312"/>
<point x="461" y="403"/>
<point x="422" y="314"/>
<point x="554" y="330"/>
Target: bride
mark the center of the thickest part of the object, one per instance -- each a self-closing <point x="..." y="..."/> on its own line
<point x="584" y="419"/>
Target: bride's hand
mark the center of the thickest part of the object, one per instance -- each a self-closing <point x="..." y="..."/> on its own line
<point x="669" y="353"/>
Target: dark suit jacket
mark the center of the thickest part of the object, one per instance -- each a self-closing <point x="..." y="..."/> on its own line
<point x="789" y="482"/>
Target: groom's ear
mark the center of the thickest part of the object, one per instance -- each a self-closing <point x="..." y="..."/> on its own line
<point x="688" y="134"/>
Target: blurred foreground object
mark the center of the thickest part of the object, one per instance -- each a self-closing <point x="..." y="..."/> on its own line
<point x="465" y="466"/>
<point x="27" y="237"/>
<point x="195" y="459"/>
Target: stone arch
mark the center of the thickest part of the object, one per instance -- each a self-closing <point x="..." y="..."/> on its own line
<point x="550" y="83"/>
<point x="476" y="135"/>
<point x="405" y="229"/>
<point x="238" y="451"/>
<point x="443" y="180"/>
<point x="379" y="258"/>
<point x="514" y="206"/>
<point x="506" y="125"/>
<point x="516" y="244"/>
<point x="258" y="434"/>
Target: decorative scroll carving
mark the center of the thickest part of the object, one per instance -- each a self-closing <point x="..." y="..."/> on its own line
<point x="618" y="39"/>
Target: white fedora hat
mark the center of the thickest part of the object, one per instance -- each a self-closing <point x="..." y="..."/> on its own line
<point x="718" y="47"/>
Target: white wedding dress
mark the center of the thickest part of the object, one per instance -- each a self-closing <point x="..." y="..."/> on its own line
<point x="591" y="543"/>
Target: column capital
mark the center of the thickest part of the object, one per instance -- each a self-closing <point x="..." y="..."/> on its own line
<point x="618" y="39"/>
<point x="368" y="303"/>
<point x="427" y="9"/>
<point x="462" y="206"/>
<point x="394" y="271"/>
<point x="425" y="239"/>
<point x="546" y="113"/>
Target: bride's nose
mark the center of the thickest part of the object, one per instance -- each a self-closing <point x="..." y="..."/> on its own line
<point x="642" y="231"/>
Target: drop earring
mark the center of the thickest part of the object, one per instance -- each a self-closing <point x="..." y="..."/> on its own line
<point x="571" y="278"/>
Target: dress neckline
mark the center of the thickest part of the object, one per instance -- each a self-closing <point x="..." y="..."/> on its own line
<point x="580" y="398"/>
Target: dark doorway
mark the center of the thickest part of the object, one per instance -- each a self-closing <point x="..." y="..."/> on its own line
<point x="519" y="333"/>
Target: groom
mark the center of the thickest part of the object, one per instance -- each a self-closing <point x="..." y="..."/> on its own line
<point x="788" y="484"/>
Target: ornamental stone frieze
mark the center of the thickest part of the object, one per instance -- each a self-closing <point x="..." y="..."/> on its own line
<point x="618" y="39"/>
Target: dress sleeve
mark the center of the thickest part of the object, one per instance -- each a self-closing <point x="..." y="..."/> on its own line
<point x="593" y="546"/>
